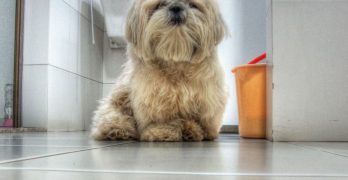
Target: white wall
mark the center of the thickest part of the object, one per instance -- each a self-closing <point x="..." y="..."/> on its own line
<point x="62" y="74"/>
<point x="246" y="21"/>
<point x="7" y="39"/>
<point x="310" y="65"/>
<point x="112" y="66"/>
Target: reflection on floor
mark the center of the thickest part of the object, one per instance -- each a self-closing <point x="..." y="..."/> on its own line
<point x="33" y="156"/>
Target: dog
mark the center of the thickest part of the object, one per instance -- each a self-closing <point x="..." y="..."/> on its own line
<point x="172" y="87"/>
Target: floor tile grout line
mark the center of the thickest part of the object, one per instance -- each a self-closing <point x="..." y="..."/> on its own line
<point x="62" y="153"/>
<point x="318" y="149"/>
<point x="174" y="172"/>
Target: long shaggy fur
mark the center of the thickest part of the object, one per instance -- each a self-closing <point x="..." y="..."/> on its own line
<point x="172" y="88"/>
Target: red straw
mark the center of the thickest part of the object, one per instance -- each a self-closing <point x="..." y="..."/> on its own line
<point x="258" y="59"/>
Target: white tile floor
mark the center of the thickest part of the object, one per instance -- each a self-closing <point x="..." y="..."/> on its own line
<point x="74" y="156"/>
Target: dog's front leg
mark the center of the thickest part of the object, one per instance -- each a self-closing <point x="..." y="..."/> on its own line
<point x="192" y="131"/>
<point x="114" y="119"/>
<point x="169" y="131"/>
<point x="211" y="123"/>
<point x="211" y="126"/>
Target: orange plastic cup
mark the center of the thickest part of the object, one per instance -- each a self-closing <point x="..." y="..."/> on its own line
<point x="251" y="96"/>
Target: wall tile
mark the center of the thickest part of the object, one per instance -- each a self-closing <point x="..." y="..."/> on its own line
<point x="71" y="100"/>
<point x="73" y="3"/>
<point x="90" y="95"/>
<point x="74" y="50"/>
<point x="62" y="99"/>
<point x="97" y="56"/>
<point x="83" y="7"/>
<point x="36" y="22"/>
<point x="71" y="46"/>
<point x="35" y="94"/>
<point x="61" y="94"/>
<point x="90" y="61"/>
<point x="60" y="46"/>
<point x="113" y="61"/>
<point x="107" y="88"/>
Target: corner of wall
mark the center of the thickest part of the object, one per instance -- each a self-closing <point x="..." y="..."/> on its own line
<point x="269" y="91"/>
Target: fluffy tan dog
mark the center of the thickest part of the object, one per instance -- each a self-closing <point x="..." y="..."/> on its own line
<point x="172" y="88"/>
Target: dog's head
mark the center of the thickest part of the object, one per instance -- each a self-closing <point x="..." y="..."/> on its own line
<point x="174" y="30"/>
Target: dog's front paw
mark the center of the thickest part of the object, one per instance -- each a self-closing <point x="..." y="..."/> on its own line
<point x="211" y="135"/>
<point x="114" y="131"/>
<point x="192" y="131"/>
<point x="120" y="134"/>
<point x="114" y="134"/>
<point x="165" y="133"/>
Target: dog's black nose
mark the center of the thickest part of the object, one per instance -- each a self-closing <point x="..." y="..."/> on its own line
<point x="176" y="9"/>
<point x="177" y="16"/>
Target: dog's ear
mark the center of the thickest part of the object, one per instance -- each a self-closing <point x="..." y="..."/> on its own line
<point x="220" y="27"/>
<point x="132" y="31"/>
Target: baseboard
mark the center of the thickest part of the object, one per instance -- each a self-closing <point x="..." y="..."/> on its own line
<point x="229" y="129"/>
<point x="17" y="130"/>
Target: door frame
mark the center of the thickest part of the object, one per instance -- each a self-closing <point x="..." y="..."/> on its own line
<point x="18" y="65"/>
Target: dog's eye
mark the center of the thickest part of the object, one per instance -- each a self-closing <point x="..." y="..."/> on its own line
<point x="193" y="5"/>
<point x="159" y="5"/>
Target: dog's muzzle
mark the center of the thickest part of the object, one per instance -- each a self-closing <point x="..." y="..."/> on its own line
<point x="177" y="16"/>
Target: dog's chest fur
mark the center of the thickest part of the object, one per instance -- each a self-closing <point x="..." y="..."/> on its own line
<point x="176" y="91"/>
